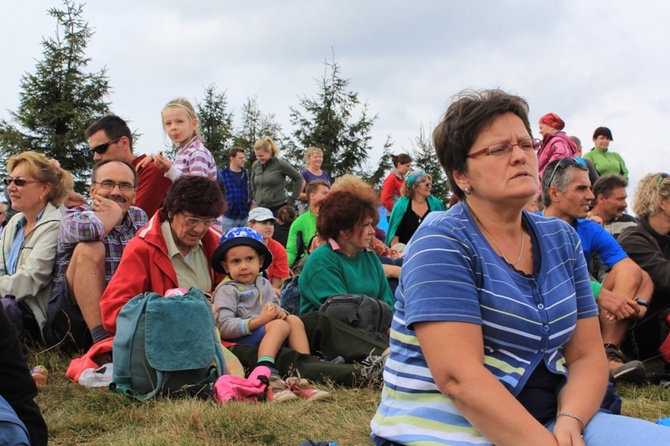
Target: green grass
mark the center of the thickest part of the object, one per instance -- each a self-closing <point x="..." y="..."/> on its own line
<point x="77" y="415"/>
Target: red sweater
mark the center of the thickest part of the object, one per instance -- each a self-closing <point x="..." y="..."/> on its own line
<point x="391" y="190"/>
<point x="152" y="185"/>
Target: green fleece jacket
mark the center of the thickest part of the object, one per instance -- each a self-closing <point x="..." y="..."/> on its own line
<point x="607" y="162"/>
<point x="268" y="182"/>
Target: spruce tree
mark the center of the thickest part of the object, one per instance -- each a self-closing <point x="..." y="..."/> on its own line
<point x="216" y="124"/>
<point x="335" y="121"/>
<point x="424" y="158"/>
<point x="60" y="99"/>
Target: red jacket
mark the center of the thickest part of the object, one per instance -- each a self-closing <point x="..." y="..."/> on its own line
<point x="391" y="190"/>
<point x="145" y="266"/>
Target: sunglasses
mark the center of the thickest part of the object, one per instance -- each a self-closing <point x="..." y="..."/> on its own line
<point x="563" y="163"/>
<point x="19" y="182"/>
<point x="662" y="177"/>
<point x="102" y="148"/>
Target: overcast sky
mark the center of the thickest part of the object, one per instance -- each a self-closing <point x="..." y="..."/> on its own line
<point x="592" y="62"/>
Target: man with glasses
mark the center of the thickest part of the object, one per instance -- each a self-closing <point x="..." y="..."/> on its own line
<point x="110" y="138"/>
<point x="624" y="294"/>
<point x="91" y="240"/>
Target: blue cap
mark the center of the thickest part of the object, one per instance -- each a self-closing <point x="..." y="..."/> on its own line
<point x="240" y="237"/>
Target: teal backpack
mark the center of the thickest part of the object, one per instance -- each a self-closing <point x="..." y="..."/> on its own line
<point x="166" y="346"/>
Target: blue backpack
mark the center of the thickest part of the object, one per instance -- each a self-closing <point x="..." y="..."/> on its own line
<point x="166" y="346"/>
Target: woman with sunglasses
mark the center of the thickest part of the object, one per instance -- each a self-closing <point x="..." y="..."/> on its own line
<point x="648" y="244"/>
<point x="172" y="251"/>
<point x="495" y="338"/>
<point x="410" y="209"/>
<point x="36" y="187"/>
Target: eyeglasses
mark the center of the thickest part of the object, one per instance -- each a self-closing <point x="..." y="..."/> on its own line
<point x="503" y="148"/>
<point x="195" y="221"/>
<point x="19" y="182"/>
<point x="563" y="163"/>
<point x="102" y="148"/>
<point x="110" y="185"/>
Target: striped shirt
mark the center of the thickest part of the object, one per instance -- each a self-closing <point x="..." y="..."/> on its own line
<point x="451" y="273"/>
<point x="193" y="159"/>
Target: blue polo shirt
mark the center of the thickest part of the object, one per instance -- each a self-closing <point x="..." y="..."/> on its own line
<point x="596" y="240"/>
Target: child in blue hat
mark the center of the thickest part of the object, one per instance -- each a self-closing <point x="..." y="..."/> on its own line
<point x="248" y="311"/>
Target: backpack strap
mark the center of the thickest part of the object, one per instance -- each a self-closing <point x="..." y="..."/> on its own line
<point x="126" y="323"/>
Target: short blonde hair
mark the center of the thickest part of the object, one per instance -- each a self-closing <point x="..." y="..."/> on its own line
<point x="268" y="145"/>
<point x="39" y="167"/>
<point x="649" y="192"/>
<point x="311" y="151"/>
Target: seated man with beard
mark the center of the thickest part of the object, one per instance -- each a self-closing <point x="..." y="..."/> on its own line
<point x="91" y="240"/>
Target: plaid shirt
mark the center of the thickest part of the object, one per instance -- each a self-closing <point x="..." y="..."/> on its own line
<point x="238" y="192"/>
<point x="82" y="225"/>
<point x="193" y="159"/>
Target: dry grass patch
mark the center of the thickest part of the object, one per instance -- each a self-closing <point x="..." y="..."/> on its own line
<point x="77" y="415"/>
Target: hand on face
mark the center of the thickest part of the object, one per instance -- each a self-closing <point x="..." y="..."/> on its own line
<point x="109" y="205"/>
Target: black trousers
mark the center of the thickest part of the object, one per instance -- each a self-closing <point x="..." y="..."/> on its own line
<point x="328" y="338"/>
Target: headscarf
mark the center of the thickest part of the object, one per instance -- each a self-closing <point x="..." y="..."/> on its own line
<point x="414" y="176"/>
<point x="552" y="120"/>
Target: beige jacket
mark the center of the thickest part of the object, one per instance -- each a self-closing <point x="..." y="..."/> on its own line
<point x="32" y="280"/>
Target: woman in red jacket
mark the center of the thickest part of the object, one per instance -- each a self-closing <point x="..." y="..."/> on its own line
<point x="392" y="187"/>
<point x="172" y="251"/>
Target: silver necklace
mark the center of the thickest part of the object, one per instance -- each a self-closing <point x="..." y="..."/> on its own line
<point x="523" y="241"/>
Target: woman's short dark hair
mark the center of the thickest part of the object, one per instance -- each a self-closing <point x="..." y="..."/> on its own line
<point x="401" y="158"/>
<point x="603" y="131"/>
<point x="470" y="113"/>
<point x="344" y="209"/>
<point x="197" y="195"/>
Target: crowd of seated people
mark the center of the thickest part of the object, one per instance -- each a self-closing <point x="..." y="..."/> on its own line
<point x="68" y="266"/>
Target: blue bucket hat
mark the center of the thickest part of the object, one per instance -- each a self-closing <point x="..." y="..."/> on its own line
<point x="240" y="237"/>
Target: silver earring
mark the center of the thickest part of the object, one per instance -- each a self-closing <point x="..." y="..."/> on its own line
<point x="467" y="191"/>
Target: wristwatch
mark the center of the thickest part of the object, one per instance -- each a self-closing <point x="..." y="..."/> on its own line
<point x="642" y="302"/>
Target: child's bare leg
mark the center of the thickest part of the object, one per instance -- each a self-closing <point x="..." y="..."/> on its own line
<point x="276" y="332"/>
<point x="297" y="339"/>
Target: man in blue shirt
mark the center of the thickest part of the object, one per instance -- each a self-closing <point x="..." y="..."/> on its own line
<point x="234" y="183"/>
<point x="625" y="293"/>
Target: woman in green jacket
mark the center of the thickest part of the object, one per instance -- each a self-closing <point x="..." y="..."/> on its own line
<point x="410" y="210"/>
<point x="268" y="177"/>
<point x="606" y="161"/>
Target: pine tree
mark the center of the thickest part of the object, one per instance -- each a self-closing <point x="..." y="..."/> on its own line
<point x="60" y="99"/>
<point x="424" y="158"/>
<point x="216" y="124"/>
<point x="376" y="177"/>
<point x="328" y="122"/>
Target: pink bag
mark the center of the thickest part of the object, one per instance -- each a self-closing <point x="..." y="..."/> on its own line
<point x="235" y="388"/>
